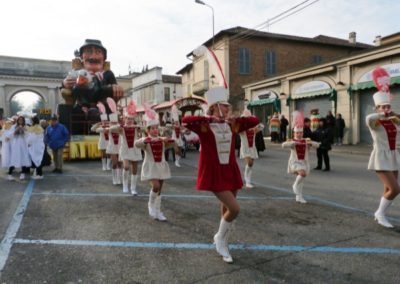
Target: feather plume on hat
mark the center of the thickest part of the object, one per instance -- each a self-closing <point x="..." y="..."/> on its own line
<point x="113" y="107"/>
<point x="298" y="121"/>
<point x="103" y="113"/>
<point x="381" y="80"/>
<point x="131" y="109"/>
<point x="150" y="117"/>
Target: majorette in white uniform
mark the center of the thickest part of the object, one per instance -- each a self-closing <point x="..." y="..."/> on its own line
<point x="248" y="149"/>
<point x="114" y="143"/>
<point x="129" y="153"/>
<point x="298" y="160"/>
<point x="177" y="134"/>
<point x="154" y="167"/>
<point x="100" y="128"/>
<point x="384" y="127"/>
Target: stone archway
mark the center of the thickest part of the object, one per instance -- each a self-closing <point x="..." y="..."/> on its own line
<point x="26" y="101"/>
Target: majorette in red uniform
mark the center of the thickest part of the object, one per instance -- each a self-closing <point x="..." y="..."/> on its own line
<point x="154" y="167"/>
<point x="177" y="135"/>
<point x="385" y="158"/>
<point x="113" y="142"/>
<point x="218" y="170"/>
<point x="298" y="161"/>
<point x="248" y="150"/>
<point x="128" y="152"/>
<point x="100" y="128"/>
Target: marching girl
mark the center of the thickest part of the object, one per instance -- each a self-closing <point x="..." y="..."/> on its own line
<point x="36" y="146"/>
<point x="128" y="153"/>
<point x="155" y="168"/>
<point x="6" y="134"/>
<point x="177" y="135"/>
<point x="100" y="128"/>
<point x="385" y="158"/>
<point x="113" y="142"/>
<point x="218" y="170"/>
<point x="248" y="150"/>
<point x="298" y="161"/>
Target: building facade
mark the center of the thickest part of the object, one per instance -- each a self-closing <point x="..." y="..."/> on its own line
<point x="341" y="86"/>
<point x="248" y="55"/>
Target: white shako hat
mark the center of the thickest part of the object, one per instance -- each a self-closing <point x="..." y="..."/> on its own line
<point x="298" y="121"/>
<point x="381" y="79"/>
<point x="113" y="116"/>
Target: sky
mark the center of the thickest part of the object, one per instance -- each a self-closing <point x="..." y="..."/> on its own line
<point x="161" y="32"/>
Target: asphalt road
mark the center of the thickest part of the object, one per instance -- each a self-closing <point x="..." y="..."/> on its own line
<point x="78" y="228"/>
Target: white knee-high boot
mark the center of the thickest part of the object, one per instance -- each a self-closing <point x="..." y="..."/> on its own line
<point x="118" y="175"/>
<point x="134" y="184"/>
<point x="298" y="189"/>
<point x="108" y="164"/>
<point x="159" y="215"/>
<point x="177" y="161"/>
<point x="221" y="240"/>
<point x="104" y="163"/>
<point x="125" y="181"/>
<point x="380" y="214"/>
<point x="151" y="205"/>
<point x="247" y="176"/>
<point x="114" y="177"/>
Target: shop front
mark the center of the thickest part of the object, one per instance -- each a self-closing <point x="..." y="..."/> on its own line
<point x="264" y="106"/>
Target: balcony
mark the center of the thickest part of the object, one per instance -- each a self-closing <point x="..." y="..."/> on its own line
<point x="200" y="87"/>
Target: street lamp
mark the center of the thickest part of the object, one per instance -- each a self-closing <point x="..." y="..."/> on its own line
<point x="212" y="10"/>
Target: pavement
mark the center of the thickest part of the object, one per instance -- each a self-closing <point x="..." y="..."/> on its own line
<point x="78" y="228"/>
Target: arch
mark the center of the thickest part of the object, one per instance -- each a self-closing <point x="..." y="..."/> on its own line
<point x="31" y="102"/>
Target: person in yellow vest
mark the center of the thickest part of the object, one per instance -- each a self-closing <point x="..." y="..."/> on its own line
<point x="315" y="118"/>
<point x="274" y="127"/>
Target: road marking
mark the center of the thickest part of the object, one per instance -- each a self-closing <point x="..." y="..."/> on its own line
<point x="14" y="225"/>
<point x="206" y="246"/>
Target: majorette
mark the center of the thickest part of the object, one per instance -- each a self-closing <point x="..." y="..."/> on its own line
<point x="100" y="128"/>
<point x="177" y="134"/>
<point x="298" y="161"/>
<point x="385" y="158"/>
<point x="218" y="170"/>
<point x="128" y="152"/>
<point x="154" y="167"/>
<point x="248" y="150"/>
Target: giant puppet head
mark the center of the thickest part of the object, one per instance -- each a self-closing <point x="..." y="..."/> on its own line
<point x="93" y="55"/>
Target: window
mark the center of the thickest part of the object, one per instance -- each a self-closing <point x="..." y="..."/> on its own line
<point x="317" y="59"/>
<point x="244" y="60"/>
<point x="270" y="63"/>
<point x="166" y="94"/>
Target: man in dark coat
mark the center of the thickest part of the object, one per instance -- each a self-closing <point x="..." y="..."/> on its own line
<point x="324" y="135"/>
<point x="340" y="126"/>
<point x="284" y="125"/>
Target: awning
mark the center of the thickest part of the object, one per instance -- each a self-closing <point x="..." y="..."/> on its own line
<point x="162" y="105"/>
<point x="261" y="102"/>
<point x="312" y="94"/>
<point x="370" y="84"/>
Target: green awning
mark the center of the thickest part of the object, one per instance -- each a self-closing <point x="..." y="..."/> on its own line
<point x="370" y="84"/>
<point x="261" y="102"/>
<point x="312" y="94"/>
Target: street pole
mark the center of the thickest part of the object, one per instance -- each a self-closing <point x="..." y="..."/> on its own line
<point x="212" y="11"/>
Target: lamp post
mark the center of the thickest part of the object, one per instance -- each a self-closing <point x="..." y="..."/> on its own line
<point x="212" y="10"/>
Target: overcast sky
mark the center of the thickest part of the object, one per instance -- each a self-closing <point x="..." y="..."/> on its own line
<point x="162" y="32"/>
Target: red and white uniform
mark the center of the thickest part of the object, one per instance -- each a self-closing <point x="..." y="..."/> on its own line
<point x="128" y="136"/>
<point x="103" y="138"/>
<point x="113" y="143"/>
<point x="248" y="144"/>
<point x="384" y="131"/>
<point x="298" y="159"/>
<point x="218" y="169"/>
<point x="154" y="165"/>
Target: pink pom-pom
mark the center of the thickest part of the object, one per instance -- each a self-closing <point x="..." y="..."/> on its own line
<point x="150" y="113"/>
<point x="101" y="108"/>
<point x="111" y="103"/>
<point x="131" y="108"/>
<point x="381" y="79"/>
<point x="298" y="119"/>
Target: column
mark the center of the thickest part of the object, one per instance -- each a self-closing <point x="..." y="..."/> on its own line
<point x="3" y="101"/>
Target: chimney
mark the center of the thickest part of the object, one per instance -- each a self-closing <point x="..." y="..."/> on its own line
<point x="377" y="40"/>
<point x="352" y="37"/>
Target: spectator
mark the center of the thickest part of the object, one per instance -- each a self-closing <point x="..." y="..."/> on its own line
<point x="56" y="137"/>
<point x="330" y="123"/>
<point x="284" y="125"/>
<point x="323" y="134"/>
<point x="274" y="128"/>
<point x="340" y="126"/>
<point x="307" y="133"/>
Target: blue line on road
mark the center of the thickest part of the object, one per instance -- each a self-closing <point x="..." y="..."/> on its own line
<point x="205" y="246"/>
<point x="14" y="225"/>
<point x="323" y="201"/>
<point x="167" y="196"/>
